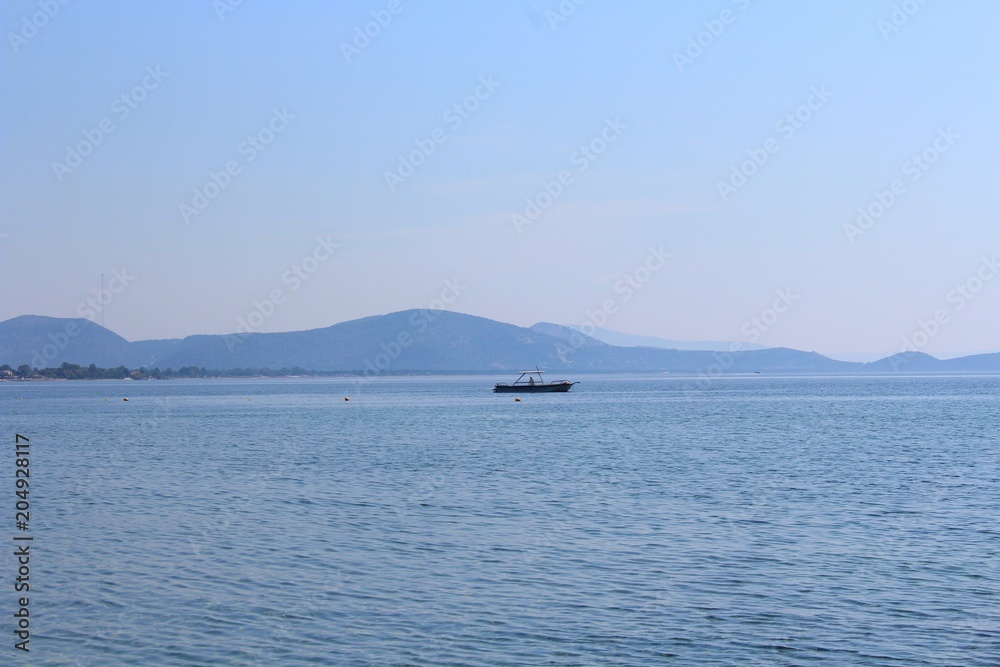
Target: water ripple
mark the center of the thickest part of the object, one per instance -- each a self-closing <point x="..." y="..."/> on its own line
<point x="760" y="521"/>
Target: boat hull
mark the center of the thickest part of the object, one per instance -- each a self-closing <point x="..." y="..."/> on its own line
<point x="559" y="387"/>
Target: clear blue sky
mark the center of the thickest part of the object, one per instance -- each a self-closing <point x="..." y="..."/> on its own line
<point x="682" y="119"/>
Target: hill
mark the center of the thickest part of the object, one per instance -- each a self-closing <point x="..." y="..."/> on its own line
<point x="632" y="340"/>
<point x="421" y="341"/>
<point x="48" y="341"/>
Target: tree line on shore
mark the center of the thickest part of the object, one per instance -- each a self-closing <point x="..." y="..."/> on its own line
<point x="68" y="371"/>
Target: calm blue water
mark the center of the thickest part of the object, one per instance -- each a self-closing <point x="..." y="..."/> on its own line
<point x="633" y="521"/>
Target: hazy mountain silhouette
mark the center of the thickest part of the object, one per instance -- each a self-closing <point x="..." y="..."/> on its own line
<point x="421" y="341"/>
<point x="632" y="340"/>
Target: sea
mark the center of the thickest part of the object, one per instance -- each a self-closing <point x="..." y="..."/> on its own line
<point x="636" y="520"/>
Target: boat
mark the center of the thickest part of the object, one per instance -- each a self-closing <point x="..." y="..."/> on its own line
<point x="532" y="386"/>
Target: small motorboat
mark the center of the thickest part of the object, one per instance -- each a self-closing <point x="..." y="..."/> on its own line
<point x="531" y="385"/>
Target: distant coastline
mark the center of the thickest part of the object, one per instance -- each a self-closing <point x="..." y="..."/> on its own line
<point x="414" y="342"/>
<point x="74" y="372"/>
<point x="68" y="371"/>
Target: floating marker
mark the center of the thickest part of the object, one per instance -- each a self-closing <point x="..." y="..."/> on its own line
<point x="346" y="399"/>
<point x="517" y="400"/>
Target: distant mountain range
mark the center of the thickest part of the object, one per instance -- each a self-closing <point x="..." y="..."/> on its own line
<point x="631" y="340"/>
<point x="422" y="341"/>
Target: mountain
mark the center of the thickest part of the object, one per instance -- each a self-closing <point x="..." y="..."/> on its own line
<point x="568" y="335"/>
<point x="632" y="340"/>
<point x="906" y="362"/>
<point x="978" y="363"/>
<point x="404" y="341"/>
<point x="422" y="341"/>
<point x="48" y="341"/>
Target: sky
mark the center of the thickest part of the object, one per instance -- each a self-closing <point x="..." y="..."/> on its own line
<point x="817" y="175"/>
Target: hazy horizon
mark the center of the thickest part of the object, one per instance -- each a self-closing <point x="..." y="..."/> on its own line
<point x="815" y="176"/>
<point x="730" y="345"/>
